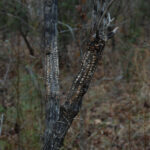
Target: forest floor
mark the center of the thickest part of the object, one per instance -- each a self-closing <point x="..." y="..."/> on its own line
<point x="115" y="113"/>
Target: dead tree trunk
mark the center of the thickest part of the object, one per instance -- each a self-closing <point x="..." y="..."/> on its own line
<point x="59" y="119"/>
<point x="51" y="71"/>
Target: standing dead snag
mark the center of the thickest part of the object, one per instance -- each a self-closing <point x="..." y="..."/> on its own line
<point x="59" y="119"/>
<point x="51" y="69"/>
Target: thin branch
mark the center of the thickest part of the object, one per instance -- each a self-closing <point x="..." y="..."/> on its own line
<point x="18" y="18"/>
<point x="3" y="82"/>
<point x="7" y="71"/>
<point x="59" y="123"/>
<point x="1" y="123"/>
<point x="69" y="27"/>
<point x="31" y="50"/>
<point x="105" y="12"/>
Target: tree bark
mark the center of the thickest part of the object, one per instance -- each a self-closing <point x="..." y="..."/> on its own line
<point x="51" y="70"/>
<point x="59" y="118"/>
<point x="71" y="107"/>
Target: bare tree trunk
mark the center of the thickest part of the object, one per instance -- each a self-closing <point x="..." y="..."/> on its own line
<point x="52" y="71"/>
<point x="59" y="119"/>
<point x="73" y="103"/>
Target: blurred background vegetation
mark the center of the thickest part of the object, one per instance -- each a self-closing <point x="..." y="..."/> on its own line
<point x="116" y="110"/>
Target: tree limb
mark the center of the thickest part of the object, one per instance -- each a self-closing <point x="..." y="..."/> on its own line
<point x="81" y="83"/>
<point x="31" y="50"/>
<point x="51" y="68"/>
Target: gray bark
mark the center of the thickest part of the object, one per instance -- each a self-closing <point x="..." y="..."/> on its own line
<point x="73" y="103"/>
<point x="59" y="118"/>
<point x="51" y="68"/>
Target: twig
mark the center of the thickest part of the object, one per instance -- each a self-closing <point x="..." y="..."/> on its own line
<point x="18" y="18"/>
<point x="31" y="50"/>
<point x="104" y="13"/>
<point x="69" y="27"/>
<point x="1" y="123"/>
<point x="3" y="82"/>
<point x="7" y="71"/>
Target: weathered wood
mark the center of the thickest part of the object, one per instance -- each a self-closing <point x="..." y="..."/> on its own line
<point x="81" y="83"/>
<point x="71" y="107"/>
<point x="59" y="119"/>
<point x="51" y="67"/>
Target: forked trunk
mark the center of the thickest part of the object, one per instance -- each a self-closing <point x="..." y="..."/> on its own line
<point x="59" y="118"/>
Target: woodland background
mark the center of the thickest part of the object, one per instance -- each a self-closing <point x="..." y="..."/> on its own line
<point x="116" y="109"/>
